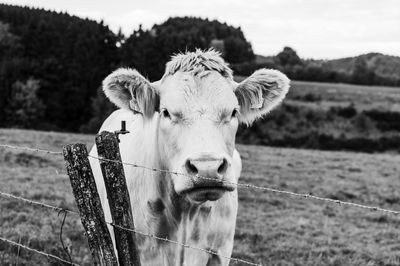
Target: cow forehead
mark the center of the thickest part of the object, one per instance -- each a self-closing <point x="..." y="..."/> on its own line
<point x="207" y="88"/>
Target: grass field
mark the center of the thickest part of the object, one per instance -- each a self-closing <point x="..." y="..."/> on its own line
<point x="334" y="94"/>
<point x="329" y="116"/>
<point x="271" y="228"/>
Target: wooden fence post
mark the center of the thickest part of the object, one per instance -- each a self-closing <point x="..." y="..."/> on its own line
<point x="118" y="198"/>
<point x="89" y="205"/>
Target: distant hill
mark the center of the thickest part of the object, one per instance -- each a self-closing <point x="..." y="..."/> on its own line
<point x="385" y="66"/>
<point x="366" y="69"/>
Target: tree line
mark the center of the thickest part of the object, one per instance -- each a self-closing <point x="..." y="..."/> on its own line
<point x="52" y="64"/>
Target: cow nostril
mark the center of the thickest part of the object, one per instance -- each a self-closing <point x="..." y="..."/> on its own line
<point x="191" y="168"/>
<point x="223" y="167"/>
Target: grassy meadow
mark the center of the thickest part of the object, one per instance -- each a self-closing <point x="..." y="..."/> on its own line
<point x="325" y="95"/>
<point x="273" y="229"/>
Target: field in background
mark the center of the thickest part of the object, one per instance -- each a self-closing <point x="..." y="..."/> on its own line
<point x="325" y="95"/>
<point x="328" y="116"/>
<point x="272" y="229"/>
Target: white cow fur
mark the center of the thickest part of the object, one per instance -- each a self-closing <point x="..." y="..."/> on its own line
<point x="209" y="225"/>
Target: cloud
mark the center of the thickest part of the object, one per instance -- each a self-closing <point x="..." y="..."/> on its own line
<point x="132" y="19"/>
<point x="315" y="28"/>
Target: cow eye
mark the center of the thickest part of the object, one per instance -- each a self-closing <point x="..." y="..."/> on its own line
<point x="165" y="113"/>
<point x="235" y="113"/>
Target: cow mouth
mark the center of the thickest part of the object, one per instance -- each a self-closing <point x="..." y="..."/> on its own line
<point x="204" y="193"/>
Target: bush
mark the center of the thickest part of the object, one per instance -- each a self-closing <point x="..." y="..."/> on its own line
<point x="346" y="112"/>
<point x="385" y="120"/>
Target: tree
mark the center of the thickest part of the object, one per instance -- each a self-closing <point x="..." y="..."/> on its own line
<point x="69" y="55"/>
<point x="8" y="41"/>
<point x="361" y="74"/>
<point x="11" y="66"/>
<point x="149" y="50"/>
<point x="25" y="109"/>
<point x="101" y="109"/>
<point x="237" y="50"/>
<point x="288" y="57"/>
<point x="218" y="45"/>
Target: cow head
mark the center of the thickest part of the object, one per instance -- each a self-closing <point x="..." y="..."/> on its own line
<point x="198" y="107"/>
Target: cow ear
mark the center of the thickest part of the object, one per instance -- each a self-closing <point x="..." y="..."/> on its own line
<point x="127" y="89"/>
<point x="260" y="93"/>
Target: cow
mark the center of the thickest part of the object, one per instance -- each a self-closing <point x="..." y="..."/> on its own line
<point x="185" y="123"/>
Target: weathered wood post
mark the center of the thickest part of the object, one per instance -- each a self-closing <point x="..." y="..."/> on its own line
<point x="118" y="198"/>
<point x="89" y="205"/>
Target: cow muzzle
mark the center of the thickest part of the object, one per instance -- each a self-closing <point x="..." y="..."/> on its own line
<point x="209" y="177"/>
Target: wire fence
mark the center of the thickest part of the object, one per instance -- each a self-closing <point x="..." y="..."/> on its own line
<point x="29" y="149"/>
<point x="59" y="209"/>
<point x="251" y="186"/>
<point x="241" y="185"/>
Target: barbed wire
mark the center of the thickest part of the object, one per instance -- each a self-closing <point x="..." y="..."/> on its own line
<point x="59" y="209"/>
<point x="40" y="204"/>
<point x="29" y="149"/>
<point x="49" y="256"/>
<point x="244" y="185"/>
<point x="274" y="190"/>
<point x="237" y="260"/>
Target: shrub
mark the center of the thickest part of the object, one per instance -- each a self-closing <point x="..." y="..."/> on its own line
<point x="346" y="112"/>
<point x="311" y="97"/>
<point x="385" y="120"/>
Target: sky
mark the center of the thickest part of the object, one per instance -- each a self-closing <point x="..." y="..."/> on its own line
<point x="320" y="29"/>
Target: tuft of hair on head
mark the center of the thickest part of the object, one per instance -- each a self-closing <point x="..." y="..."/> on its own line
<point x="197" y="62"/>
